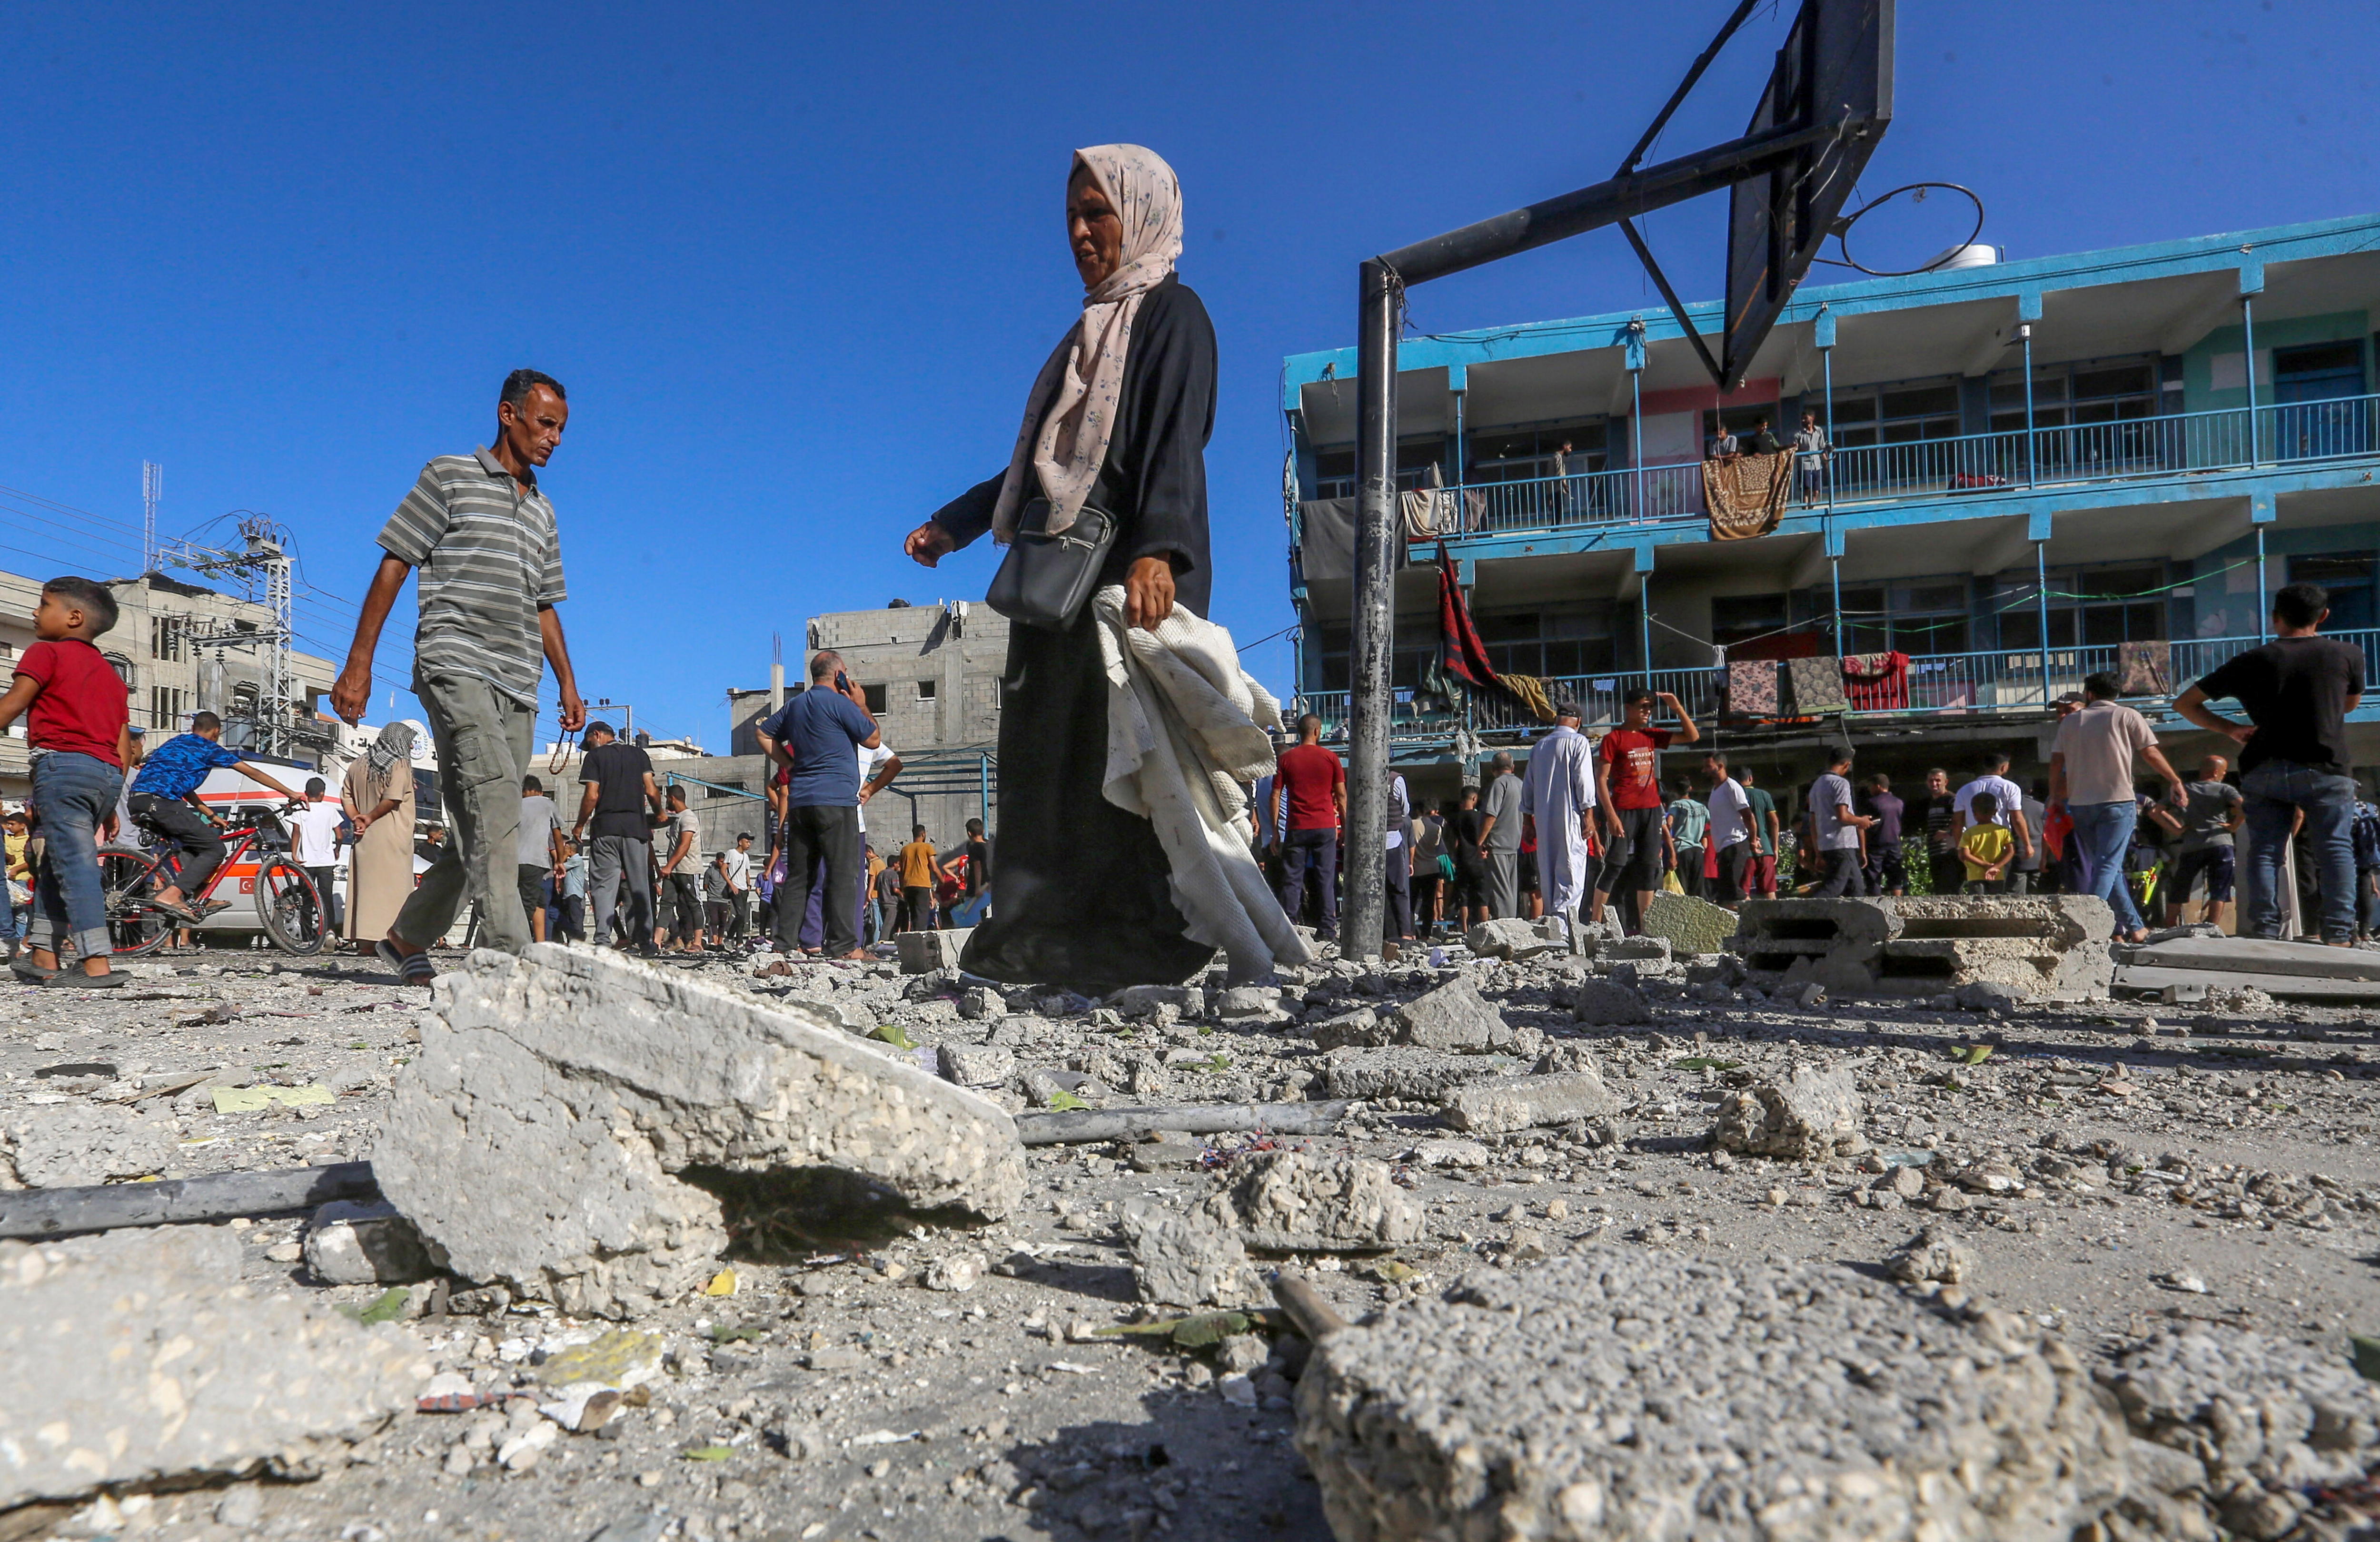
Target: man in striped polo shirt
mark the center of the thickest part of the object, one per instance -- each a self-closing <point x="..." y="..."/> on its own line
<point x="483" y="536"/>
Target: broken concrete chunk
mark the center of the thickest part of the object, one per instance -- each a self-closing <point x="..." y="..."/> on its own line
<point x="1793" y="1402"/>
<point x="76" y="1145"/>
<point x="537" y="1138"/>
<point x="1689" y="925"/>
<point x="136" y="1358"/>
<point x="1247" y="1001"/>
<point x="1450" y="1153"/>
<point x="1454" y="1017"/>
<point x="1513" y="937"/>
<point x="1607" y="1004"/>
<point x="977" y="1064"/>
<point x="1403" y="1071"/>
<point x="922" y="952"/>
<point x="1931" y="1255"/>
<point x="1189" y="1258"/>
<point x="1361" y="1028"/>
<point x="1508" y="1103"/>
<point x="352" y="1241"/>
<point x="1301" y="1202"/>
<point x="1809" y="1115"/>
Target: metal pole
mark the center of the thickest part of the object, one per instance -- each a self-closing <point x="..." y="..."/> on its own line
<point x="1835" y="564"/>
<point x="2031" y="461"/>
<point x="2264" y="604"/>
<point x="1826" y="461"/>
<point x="1644" y="624"/>
<point x="2248" y="327"/>
<point x="2041" y="601"/>
<point x="1373" y="643"/>
<point x="1636" y="427"/>
<point x="983" y="787"/>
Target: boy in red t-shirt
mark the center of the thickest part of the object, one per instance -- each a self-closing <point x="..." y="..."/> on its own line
<point x="1628" y="790"/>
<point x="76" y="714"/>
<point x="1317" y="785"/>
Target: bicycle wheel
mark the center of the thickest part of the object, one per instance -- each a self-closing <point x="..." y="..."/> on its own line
<point x="288" y="905"/>
<point x="135" y="926"/>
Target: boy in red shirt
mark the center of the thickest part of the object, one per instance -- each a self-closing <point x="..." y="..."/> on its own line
<point x="1317" y="785"/>
<point x="1628" y="790"/>
<point x="78" y="728"/>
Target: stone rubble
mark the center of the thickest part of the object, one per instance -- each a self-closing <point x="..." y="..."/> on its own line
<point x="2114" y="1173"/>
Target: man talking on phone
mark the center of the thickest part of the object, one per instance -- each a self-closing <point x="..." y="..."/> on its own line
<point x="815" y="736"/>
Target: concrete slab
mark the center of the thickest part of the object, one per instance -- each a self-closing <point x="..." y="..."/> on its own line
<point x="2253" y="955"/>
<point x="2297" y="988"/>
<point x="537" y="1138"/>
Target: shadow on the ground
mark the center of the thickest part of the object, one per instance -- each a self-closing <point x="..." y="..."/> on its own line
<point x="1196" y="1470"/>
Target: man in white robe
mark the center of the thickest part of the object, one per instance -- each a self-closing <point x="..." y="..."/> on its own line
<point x="1559" y="793"/>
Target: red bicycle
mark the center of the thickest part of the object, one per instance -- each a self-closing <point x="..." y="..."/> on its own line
<point x="257" y="864"/>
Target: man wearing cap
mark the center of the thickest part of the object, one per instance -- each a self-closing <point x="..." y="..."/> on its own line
<point x="1559" y="795"/>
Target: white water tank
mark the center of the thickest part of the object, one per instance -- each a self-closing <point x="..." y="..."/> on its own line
<point x="1975" y="254"/>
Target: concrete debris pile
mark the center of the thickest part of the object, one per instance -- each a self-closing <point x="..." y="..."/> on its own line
<point x="1612" y="1393"/>
<point x="2053" y="947"/>
<point x="1811" y="1114"/>
<point x="1636" y="1393"/>
<point x="539" y="1140"/>
<point x="1275" y="1202"/>
<point x="2216" y="973"/>
<point x="75" y="1147"/>
<point x="138" y="1358"/>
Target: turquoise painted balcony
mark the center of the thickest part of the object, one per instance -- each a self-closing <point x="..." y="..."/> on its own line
<point x="2172" y="447"/>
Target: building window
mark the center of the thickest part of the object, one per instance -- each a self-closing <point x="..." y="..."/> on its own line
<point x="165" y="708"/>
<point x="2094" y="607"/>
<point x="1406" y="666"/>
<point x="875" y="695"/>
<point x="1334" y="471"/>
<point x="2347" y="577"/>
<point x="1525" y="455"/>
<point x="2100" y="392"/>
<point x="926" y="690"/>
<point x="165" y="638"/>
<point x="1550" y="644"/>
<point x="1895" y="414"/>
<point x="1928" y="616"/>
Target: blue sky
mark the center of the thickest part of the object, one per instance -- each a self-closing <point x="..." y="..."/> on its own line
<point x="796" y="265"/>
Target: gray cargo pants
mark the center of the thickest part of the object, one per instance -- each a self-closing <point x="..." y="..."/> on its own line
<point x="483" y="738"/>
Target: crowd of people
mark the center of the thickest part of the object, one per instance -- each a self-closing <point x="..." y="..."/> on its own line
<point x="2112" y="817"/>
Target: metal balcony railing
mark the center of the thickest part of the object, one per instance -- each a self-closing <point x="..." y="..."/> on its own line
<point x="2079" y="454"/>
<point x="2006" y="680"/>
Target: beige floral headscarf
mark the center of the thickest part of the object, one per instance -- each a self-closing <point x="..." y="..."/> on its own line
<point x="1071" y="414"/>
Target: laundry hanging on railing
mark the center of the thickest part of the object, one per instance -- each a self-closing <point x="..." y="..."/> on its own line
<point x="1326" y="528"/>
<point x="2144" y="669"/>
<point x="1876" y="681"/>
<point x="1464" y="656"/>
<point x="1746" y="495"/>
<point x="1818" y="685"/>
<point x="1752" y="687"/>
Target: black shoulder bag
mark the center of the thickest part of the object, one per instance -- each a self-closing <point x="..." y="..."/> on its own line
<point x="1046" y="580"/>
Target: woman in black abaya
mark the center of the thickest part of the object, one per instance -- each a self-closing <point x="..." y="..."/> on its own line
<point x="1119" y="419"/>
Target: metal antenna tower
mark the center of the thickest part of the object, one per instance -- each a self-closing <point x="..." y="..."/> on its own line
<point x="152" y="493"/>
<point x="261" y="565"/>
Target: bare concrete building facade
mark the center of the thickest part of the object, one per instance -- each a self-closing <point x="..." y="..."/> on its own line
<point x="931" y="676"/>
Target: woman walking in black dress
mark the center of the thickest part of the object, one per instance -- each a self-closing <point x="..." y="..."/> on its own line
<point x="1119" y="419"/>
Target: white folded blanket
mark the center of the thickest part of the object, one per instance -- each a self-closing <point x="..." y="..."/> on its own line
<point x="1184" y="748"/>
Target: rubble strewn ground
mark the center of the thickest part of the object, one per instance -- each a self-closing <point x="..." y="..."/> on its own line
<point x="2157" y="1222"/>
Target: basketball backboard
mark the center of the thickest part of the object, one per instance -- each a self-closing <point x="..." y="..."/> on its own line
<point x="1835" y="68"/>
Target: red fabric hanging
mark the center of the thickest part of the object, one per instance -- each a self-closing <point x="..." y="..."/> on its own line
<point x="1465" y="655"/>
<point x="1876" y="681"/>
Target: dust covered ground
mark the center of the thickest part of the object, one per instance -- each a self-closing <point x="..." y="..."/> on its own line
<point x="2111" y="1168"/>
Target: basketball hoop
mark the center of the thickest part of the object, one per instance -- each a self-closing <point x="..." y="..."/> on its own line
<point x="1841" y="231"/>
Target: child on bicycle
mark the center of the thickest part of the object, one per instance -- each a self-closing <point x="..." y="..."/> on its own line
<point x="163" y="795"/>
<point x="76" y="709"/>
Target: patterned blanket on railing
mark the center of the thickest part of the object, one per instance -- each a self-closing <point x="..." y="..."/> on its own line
<point x="1746" y="495"/>
<point x="2144" y="668"/>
